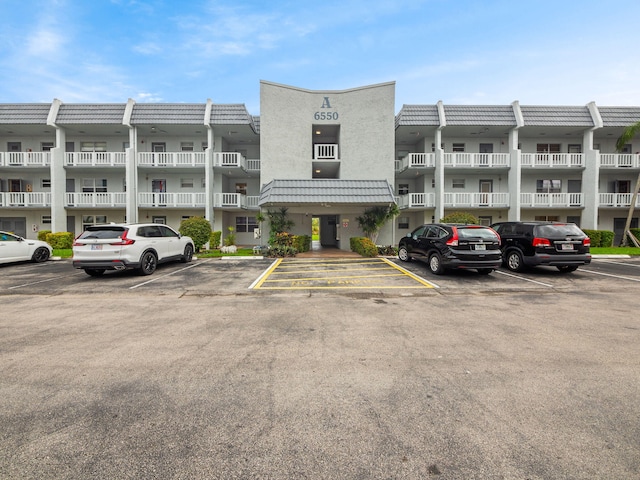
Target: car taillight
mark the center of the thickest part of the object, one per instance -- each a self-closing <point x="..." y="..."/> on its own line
<point x="453" y="241"/>
<point x="541" y="242"/>
<point x="586" y="242"/>
<point x="124" y="240"/>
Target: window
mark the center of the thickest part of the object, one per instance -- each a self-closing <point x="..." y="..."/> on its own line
<point x="246" y="224"/>
<point x="403" y="189"/>
<point x="626" y="148"/>
<point x="403" y="222"/>
<point x="46" y="146"/>
<point x="93" y="146"/>
<point x="186" y="183"/>
<point x="458" y="147"/>
<point x="485" y="220"/>
<point x="186" y="146"/>
<point x="574" y="148"/>
<point x="548" y="148"/>
<point x="547" y="218"/>
<point x="94" y="185"/>
<point x="241" y="188"/>
<point x="46" y="219"/>
<point x="457" y="183"/>
<point x="205" y="145"/>
<point x="45" y="183"/>
<point x="548" y="186"/>
<point x="159" y="219"/>
<point x="90" y="220"/>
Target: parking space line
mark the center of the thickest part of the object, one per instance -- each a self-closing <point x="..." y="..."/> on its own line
<point x="610" y="275"/>
<point x="412" y="275"/>
<point x="260" y="280"/>
<point x="42" y="281"/>
<point x="636" y="265"/>
<point x="523" y="278"/>
<point x="169" y="274"/>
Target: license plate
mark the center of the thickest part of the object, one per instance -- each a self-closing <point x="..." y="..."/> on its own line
<point x="96" y="247"/>
<point x="567" y="246"/>
<point x="480" y="247"/>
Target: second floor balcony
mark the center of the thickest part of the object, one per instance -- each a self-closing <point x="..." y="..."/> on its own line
<point x="25" y="199"/>
<point x="25" y="159"/>
<point x="619" y="160"/>
<point x="171" y="159"/>
<point x="235" y="201"/>
<point x="476" y="160"/>
<point x="552" y="160"/>
<point x="96" y="159"/>
<point x="96" y="199"/>
<point x="546" y="200"/>
<point x="476" y="199"/>
<point x="617" y="200"/>
<point x="416" y="200"/>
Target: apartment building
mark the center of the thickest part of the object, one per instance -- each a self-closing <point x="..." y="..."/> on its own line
<point x="320" y="154"/>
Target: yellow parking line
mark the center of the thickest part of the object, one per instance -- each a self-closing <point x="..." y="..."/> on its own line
<point x="331" y="278"/>
<point x="266" y="274"/>
<point x="412" y="275"/>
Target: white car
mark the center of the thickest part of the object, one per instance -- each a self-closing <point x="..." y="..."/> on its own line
<point x="14" y="248"/>
<point x="123" y="246"/>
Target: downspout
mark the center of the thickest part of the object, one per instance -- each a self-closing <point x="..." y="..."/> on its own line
<point x="58" y="173"/>
<point x="131" y="167"/>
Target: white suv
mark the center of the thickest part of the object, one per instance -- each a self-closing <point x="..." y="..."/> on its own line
<point x="122" y="246"/>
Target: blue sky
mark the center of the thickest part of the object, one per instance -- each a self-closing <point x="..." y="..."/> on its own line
<point x="560" y="52"/>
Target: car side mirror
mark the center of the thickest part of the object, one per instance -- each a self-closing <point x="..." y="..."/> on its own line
<point x="408" y="235"/>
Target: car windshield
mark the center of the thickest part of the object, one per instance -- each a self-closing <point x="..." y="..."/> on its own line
<point x="564" y="229"/>
<point x="102" y="232"/>
<point x="475" y="232"/>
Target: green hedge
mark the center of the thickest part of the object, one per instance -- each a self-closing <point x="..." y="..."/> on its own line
<point x="59" y="240"/>
<point x="600" y="238"/>
<point x="363" y="246"/>
<point x="42" y="235"/>
<point x="302" y="243"/>
<point x="214" y="240"/>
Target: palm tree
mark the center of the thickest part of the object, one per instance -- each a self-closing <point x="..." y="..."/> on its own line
<point x="628" y="133"/>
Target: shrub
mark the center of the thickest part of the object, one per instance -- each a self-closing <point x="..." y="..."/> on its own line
<point x="302" y="243"/>
<point x="214" y="239"/>
<point x="281" y="251"/>
<point x="230" y="239"/>
<point x="387" y="250"/>
<point x="363" y="246"/>
<point x="460" y="217"/>
<point x="600" y="238"/>
<point x="42" y="235"/>
<point x="198" y="228"/>
<point x="60" y="240"/>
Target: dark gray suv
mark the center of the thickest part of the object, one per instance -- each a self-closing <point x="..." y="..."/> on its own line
<point x="528" y="244"/>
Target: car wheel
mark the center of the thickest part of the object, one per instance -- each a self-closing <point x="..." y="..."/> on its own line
<point x="94" y="272"/>
<point x="485" y="271"/>
<point x="403" y="254"/>
<point x="40" y="255"/>
<point x="188" y="254"/>
<point x="435" y="264"/>
<point x="514" y="261"/>
<point x="148" y="263"/>
<point x="567" y="268"/>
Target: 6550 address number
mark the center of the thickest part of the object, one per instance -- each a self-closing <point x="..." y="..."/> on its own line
<point x="325" y="116"/>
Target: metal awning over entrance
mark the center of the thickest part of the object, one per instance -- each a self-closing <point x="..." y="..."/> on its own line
<point x="326" y="191"/>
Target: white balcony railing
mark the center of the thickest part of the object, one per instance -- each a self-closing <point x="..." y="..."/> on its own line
<point x="96" y="159"/>
<point x="476" y="199"/>
<point x="473" y="160"/>
<point x="617" y="199"/>
<point x="25" y="159"/>
<point x="415" y="200"/>
<point x="172" y="159"/>
<point x="551" y="200"/>
<point x="96" y="199"/>
<point x="150" y="199"/>
<point x="235" y="200"/>
<point x="416" y="160"/>
<point x="620" y="160"/>
<point x="25" y="199"/>
<point x="325" y="151"/>
<point x="552" y="160"/>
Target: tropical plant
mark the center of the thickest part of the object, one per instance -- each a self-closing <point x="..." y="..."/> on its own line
<point x="230" y="239"/>
<point x="628" y="133"/>
<point x="374" y="218"/>
<point x="279" y="222"/>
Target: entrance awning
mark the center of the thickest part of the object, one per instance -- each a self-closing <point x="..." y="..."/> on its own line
<point x="327" y="192"/>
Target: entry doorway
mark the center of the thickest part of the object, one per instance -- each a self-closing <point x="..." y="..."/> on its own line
<point x="618" y="228"/>
<point x="324" y="231"/>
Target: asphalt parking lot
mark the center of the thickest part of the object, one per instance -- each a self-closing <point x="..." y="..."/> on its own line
<point x="262" y="369"/>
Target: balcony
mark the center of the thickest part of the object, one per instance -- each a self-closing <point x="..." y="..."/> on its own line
<point x="617" y="200"/>
<point x="476" y="160"/>
<point x="552" y="160"/>
<point x="25" y="199"/>
<point x="171" y="159"/>
<point x="546" y="200"/>
<point x="619" y="160"/>
<point x="96" y="199"/>
<point x="325" y="151"/>
<point x="25" y="159"/>
<point x="416" y="200"/>
<point x="96" y="159"/>
<point x="230" y="160"/>
<point x="416" y="160"/>
<point x="172" y="200"/>
<point x="476" y="200"/>
<point x="235" y="201"/>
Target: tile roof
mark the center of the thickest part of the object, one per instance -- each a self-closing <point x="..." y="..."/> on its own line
<point x="103" y="113"/>
<point x="554" y="116"/>
<point x="330" y="191"/>
<point x="168" y="113"/>
<point x="489" y="115"/>
<point x="619" y="116"/>
<point x="24" y="113"/>
<point x="414" y="115"/>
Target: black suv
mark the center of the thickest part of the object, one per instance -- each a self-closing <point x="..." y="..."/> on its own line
<point x="527" y="244"/>
<point x="449" y="246"/>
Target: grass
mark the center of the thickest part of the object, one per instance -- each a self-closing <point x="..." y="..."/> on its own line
<point x="615" y="251"/>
